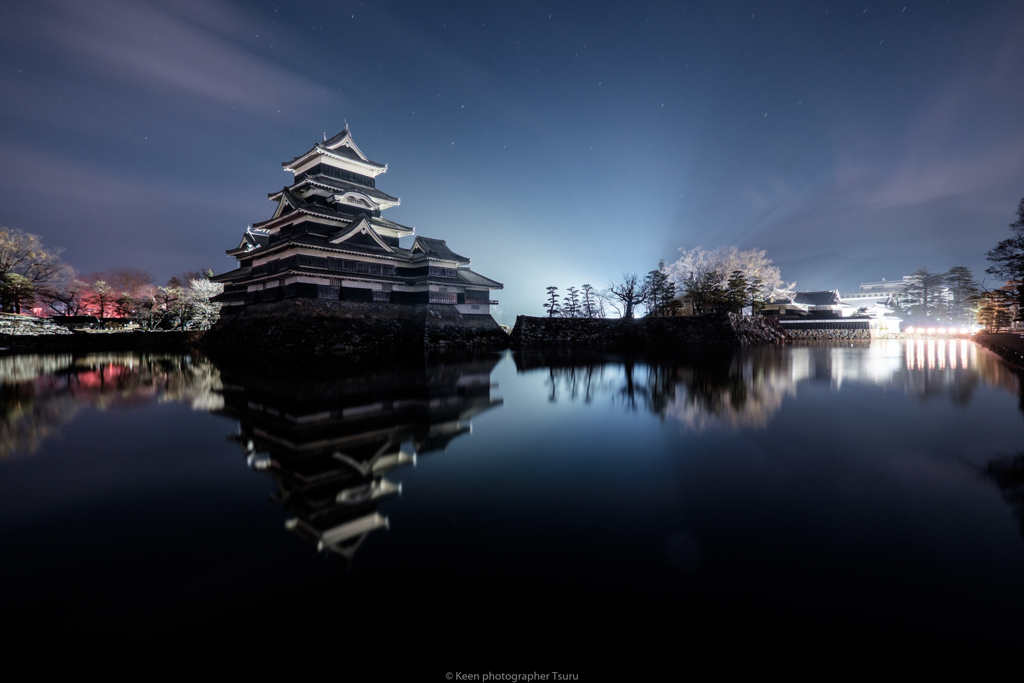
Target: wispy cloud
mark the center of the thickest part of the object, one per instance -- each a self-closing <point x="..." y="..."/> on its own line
<point x="174" y="52"/>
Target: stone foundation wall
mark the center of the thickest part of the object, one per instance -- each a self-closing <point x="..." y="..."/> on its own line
<point x="28" y="334"/>
<point x="320" y="327"/>
<point x="170" y="341"/>
<point x="643" y="333"/>
<point x="829" y="335"/>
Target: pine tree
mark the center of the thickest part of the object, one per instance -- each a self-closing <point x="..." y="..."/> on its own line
<point x="923" y="295"/>
<point x="1008" y="259"/>
<point x="552" y="303"/>
<point x="16" y="291"/>
<point x="705" y="291"/>
<point x="755" y="294"/>
<point x="662" y="291"/>
<point x="736" y="291"/>
<point x="590" y="304"/>
<point x="996" y="307"/>
<point x="572" y="304"/>
<point x="963" y="291"/>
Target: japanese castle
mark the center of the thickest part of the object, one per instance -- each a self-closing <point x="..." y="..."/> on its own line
<point x="328" y="240"/>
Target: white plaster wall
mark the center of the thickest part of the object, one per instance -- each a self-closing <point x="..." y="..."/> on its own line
<point x="473" y="309"/>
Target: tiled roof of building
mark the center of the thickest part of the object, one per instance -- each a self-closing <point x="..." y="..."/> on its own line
<point x="385" y="223"/>
<point x="339" y="137"/>
<point x="437" y="249"/>
<point x="346" y="186"/>
<point x="310" y="207"/>
<point x="347" y="152"/>
<point x="298" y="203"/>
<point x="250" y="241"/>
<point x="324" y="241"/>
<point x="817" y="298"/>
<point x="232" y="275"/>
<point x="293" y="199"/>
<point x="343" y="152"/>
<point x="469" y="277"/>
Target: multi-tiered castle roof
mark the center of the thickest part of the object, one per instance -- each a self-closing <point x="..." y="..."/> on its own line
<point x="328" y="240"/>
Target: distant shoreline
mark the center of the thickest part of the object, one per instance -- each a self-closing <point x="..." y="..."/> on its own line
<point x="1008" y="346"/>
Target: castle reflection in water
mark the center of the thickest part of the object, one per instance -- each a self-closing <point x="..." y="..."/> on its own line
<point x="329" y="443"/>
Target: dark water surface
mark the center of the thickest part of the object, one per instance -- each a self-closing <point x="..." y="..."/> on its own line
<point x="524" y="503"/>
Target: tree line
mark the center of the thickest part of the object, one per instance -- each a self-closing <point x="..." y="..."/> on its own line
<point x="700" y="281"/>
<point x="654" y="293"/>
<point x="952" y="296"/>
<point x="956" y="296"/>
<point x="33" y="277"/>
<point x="1002" y="307"/>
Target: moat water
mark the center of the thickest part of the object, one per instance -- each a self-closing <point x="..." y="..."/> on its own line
<point x="873" y="489"/>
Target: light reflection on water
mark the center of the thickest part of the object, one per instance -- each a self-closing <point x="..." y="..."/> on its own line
<point x="855" y="465"/>
<point x="39" y="393"/>
<point x="721" y="389"/>
<point x="746" y="388"/>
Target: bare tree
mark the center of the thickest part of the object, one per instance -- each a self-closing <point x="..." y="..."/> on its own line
<point x="66" y="295"/>
<point x="628" y="293"/>
<point x="184" y="280"/>
<point x="129" y="280"/>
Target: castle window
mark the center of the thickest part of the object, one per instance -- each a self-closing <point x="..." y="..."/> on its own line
<point x="367" y="268"/>
<point x="327" y="292"/>
<point x="438" y="271"/>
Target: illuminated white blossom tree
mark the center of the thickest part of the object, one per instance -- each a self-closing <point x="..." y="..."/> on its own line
<point x="713" y="267"/>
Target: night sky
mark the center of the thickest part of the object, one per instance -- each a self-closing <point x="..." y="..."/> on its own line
<point x="553" y="143"/>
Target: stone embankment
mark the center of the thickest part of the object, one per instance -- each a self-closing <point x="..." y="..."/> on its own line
<point x="163" y="341"/>
<point x="1009" y="347"/>
<point x="724" y="329"/>
<point x="28" y="334"/>
<point x="27" y="325"/>
<point x="831" y="335"/>
<point x="284" y="330"/>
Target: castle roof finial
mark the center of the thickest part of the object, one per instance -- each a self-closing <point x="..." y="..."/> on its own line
<point x="325" y="136"/>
